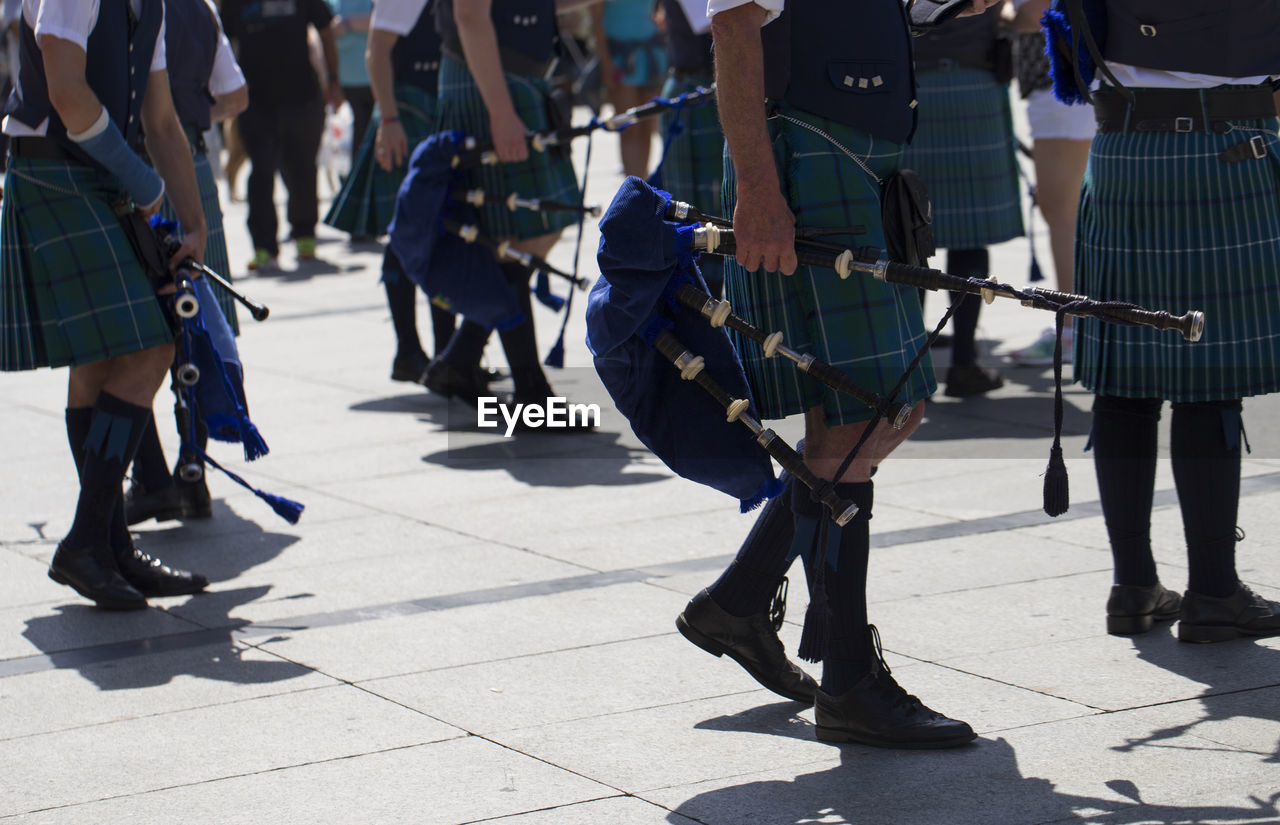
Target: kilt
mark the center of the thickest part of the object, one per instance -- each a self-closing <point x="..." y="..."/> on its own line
<point x="215" y="247"/>
<point x="547" y="175"/>
<point x="1165" y="224"/>
<point x="643" y="62"/>
<point x="71" y="288"/>
<point x="693" y="166"/>
<point x="963" y="149"/>
<point x="367" y="201"/>
<point x="870" y="329"/>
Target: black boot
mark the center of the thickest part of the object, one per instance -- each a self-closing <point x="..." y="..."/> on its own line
<point x="92" y="573"/>
<point x="152" y="577"/>
<point x="877" y="711"/>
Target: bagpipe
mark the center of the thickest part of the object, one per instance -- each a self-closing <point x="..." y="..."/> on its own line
<point x="651" y="306"/>
<point x="208" y="374"/>
<point x="437" y="236"/>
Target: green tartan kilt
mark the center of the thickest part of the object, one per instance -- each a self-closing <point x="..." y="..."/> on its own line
<point x="72" y="290"/>
<point x="1165" y="224"/>
<point x="964" y="151"/>
<point x="547" y="175"/>
<point x="215" y="246"/>
<point x="367" y="201"/>
<point x="870" y="329"/>
<point x="693" y="166"/>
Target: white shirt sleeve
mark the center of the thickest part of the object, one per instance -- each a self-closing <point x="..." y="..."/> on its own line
<point x="695" y="11"/>
<point x="396" y="16"/>
<point x="774" y="7"/>
<point x="226" y="76"/>
<point x="64" y="19"/>
<point x="158" y="62"/>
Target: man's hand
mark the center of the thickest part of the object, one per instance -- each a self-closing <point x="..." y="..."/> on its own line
<point x="391" y="146"/>
<point x="764" y="230"/>
<point x="509" y="137"/>
<point x="192" y="247"/>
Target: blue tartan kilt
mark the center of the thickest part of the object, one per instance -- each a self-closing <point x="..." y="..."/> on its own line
<point x="1164" y="223"/>
<point x="693" y="165"/>
<point x="72" y="290"/>
<point x="870" y="329"/>
<point x="367" y="200"/>
<point x="548" y="175"/>
<point x="215" y="246"/>
<point x="964" y="151"/>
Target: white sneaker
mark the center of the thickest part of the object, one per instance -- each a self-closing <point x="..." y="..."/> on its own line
<point x="1040" y="354"/>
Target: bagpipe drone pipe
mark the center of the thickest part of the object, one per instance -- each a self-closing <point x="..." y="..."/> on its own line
<point x="650" y="303"/>
<point x="209" y="376"/>
<point x="437" y="235"/>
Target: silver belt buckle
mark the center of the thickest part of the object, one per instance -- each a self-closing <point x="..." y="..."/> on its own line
<point x="1183" y="124"/>
<point x="1259" y="146"/>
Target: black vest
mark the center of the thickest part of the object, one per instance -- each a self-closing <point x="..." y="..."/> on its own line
<point x="690" y="53"/>
<point x="191" y="45"/>
<point x="524" y="26"/>
<point x="1230" y="38"/>
<point x="117" y="65"/>
<point x="844" y="61"/>
<point x="415" y="58"/>
<point x="969" y="41"/>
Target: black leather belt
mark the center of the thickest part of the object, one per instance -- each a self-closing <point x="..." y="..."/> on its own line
<point x="1181" y="110"/>
<point x="40" y="148"/>
<point x="949" y="64"/>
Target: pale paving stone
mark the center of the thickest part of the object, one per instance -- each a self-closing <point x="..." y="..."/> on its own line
<point x="615" y="811"/>
<point x="202" y="744"/>
<point x="481" y="633"/>
<point x="79" y="695"/>
<point x="72" y="623"/>
<point x="442" y="783"/>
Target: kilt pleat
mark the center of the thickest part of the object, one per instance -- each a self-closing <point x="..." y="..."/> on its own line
<point x="215" y="246"/>
<point x="73" y="289"/>
<point x="547" y="175"/>
<point x="367" y="201"/>
<point x="1164" y="223"/>
<point x="964" y="151"/>
<point x="870" y="329"/>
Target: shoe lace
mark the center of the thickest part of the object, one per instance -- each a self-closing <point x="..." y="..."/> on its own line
<point x="778" y="606"/>
<point x="893" y="691"/>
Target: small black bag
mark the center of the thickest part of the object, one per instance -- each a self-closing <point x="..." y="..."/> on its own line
<point x="908" y="218"/>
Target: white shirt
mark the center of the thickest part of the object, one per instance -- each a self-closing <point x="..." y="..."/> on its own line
<point x="695" y="11"/>
<point x="774" y="7"/>
<point x="397" y="16"/>
<point x="226" y="75"/>
<point x="71" y="20"/>
<point x="1136" y="76"/>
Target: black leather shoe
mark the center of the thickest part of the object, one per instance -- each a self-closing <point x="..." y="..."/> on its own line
<point x="409" y="367"/>
<point x="970" y="380"/>
<point x="194" y="499"/>
<point x="152" y="577"/>
<point x="1132" y="610"/>
<point x="141" y="504"/>
<point x="453" y="382"/>
<point x="877" y="711"/>
<point x="751" y="642"/>
<point x="90" y="573"/>
<point x="1243" y="613"/>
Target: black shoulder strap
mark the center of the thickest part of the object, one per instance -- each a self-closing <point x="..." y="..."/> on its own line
<point x="1079" y="28"/>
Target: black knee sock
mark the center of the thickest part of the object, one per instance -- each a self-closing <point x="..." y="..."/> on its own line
<point x="966" y="263"/>
<point x="747" y="585"/>
<point x="150" y="467"/>
<point x="443" y="325"/>
<point x="1205" y="448"/>
<point x="1124" y="457"/>
<point x="115" y="429"/>
<point x="848" y="656"/>
<point x="402" y="300"/>
<point x="466" y="346"/>
<point x="520" y="343"/>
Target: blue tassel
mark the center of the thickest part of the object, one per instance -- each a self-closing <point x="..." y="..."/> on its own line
<point x="287" y="509"/>
<point x="542" y="291"/>
<point x="254" y="446"/>
<point x="555" y="356"/>
<point x="1036" y="274"/>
